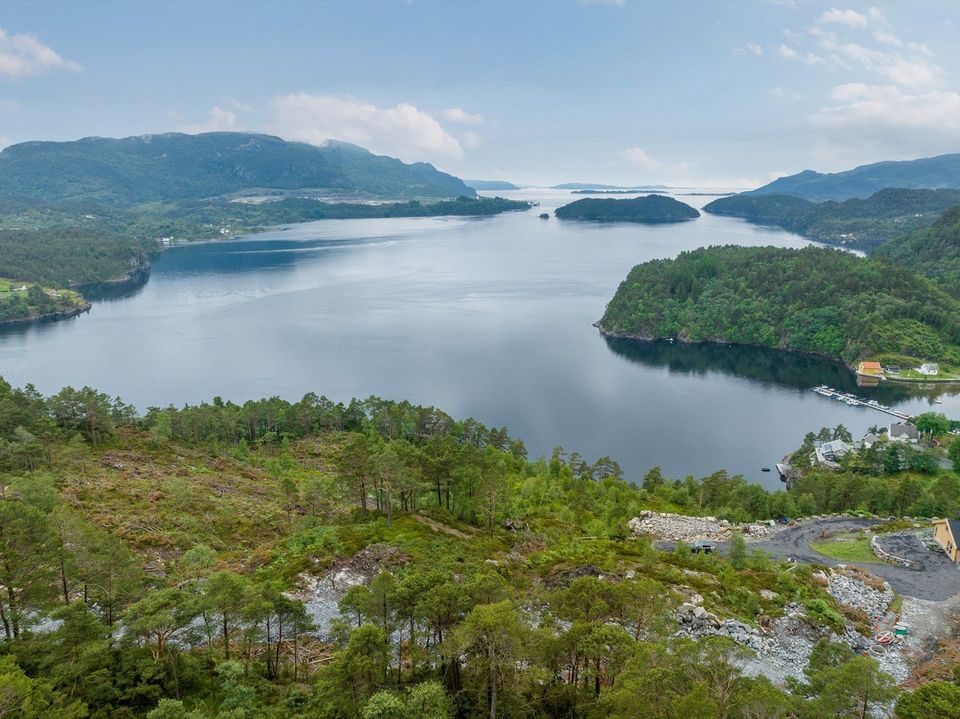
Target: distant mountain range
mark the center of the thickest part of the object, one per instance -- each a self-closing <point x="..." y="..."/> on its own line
<point x="941" y="172"/>
<point x="178" y="167"/>
<point x="491" y="185"/>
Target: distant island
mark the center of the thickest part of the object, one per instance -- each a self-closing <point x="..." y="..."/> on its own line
<point x="653" y="209"/>
<point x="601" y="186"/>
<point x="941" y="172"/>
<point x="815" y="300"/>
<point x="491" y="185"/>
<point x="615" y="192"/>
<point x="856" y="223"/>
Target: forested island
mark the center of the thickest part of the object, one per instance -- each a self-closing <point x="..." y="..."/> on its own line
<point x="651" y="209"/>
<point x="856" y="223"/>
<point x="318" y="560"/>
<point x="816" y="300"/>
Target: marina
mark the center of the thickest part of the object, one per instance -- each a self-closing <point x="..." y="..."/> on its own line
<point x="854" y="401"/>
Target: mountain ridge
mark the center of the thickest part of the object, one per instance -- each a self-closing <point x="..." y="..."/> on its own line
<point x="177" y="166"/>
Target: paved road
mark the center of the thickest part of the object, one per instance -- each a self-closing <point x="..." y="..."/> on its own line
<point x="936" y="578"/>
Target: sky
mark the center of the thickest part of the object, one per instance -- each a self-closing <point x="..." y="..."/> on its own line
<point x="729" y="94"/>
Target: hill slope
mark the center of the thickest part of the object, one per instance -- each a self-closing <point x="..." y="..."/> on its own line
<point x="814" y="300"/>
<point x="942" y="171"/>
<point x="933" y="251"/>
<point x="650" y="209"/>
<point x="175" y="166"/>
<point x="862" y="223"/>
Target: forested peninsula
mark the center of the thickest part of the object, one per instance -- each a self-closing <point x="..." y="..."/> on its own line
<point x="816" y="300"/>
<point x="322" y="560"/>
<point x="855" y="223"/>
<point x="650" y="209"/>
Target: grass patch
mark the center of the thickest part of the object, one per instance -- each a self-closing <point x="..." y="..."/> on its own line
<point x="847" y="548"/>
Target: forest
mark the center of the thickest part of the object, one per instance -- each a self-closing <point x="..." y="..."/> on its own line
<point x="817" y="300"/>
<point x="862" y="224"/>
<point x="651" y="209"/>
<point x="934" y="251"/>
<point x="161" y="566"/>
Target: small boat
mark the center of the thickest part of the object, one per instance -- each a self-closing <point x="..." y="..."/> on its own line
<point x="938" y="401"/>
<point x="764" y="469"/>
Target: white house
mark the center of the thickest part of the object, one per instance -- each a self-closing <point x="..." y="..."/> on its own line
<point x="930" y="369"/>
<point x="903" y="432"/>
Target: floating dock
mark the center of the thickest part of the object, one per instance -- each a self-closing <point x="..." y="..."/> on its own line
<point x="855" y="401"/>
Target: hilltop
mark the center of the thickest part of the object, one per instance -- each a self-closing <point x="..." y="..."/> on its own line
<point x="651" y="209"/>
<point x="816" y="300"/>
<point x="942" y="171"/>
<point x="176" y="167"/>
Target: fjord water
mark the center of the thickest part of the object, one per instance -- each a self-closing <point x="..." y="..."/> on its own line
<point x="490" y="318"/>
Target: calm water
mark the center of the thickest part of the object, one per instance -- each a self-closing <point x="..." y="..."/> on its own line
<point x="488" y="318"/>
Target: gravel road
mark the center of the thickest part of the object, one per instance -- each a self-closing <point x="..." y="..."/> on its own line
<point x="935" y="578"/>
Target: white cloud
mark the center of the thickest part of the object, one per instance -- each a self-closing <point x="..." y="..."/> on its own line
<point x="458" y="114"/>
<point x="790" y="95"/>
<point x="402" y="131"/>
<point x="887" y="38"/>
<point x="24" y="55"/>
<point x="471" y="139"/>
<point x="807" y="58"/>
<point x="638" y="156"/>
<point x="851" y="18"/>
<point x="219" y="120"/>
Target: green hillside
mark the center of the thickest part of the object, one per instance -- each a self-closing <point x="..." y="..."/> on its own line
<point x="175" y="166"/>
<point x="862" y="224"/>
<point x="933" y="251"/>
<point x="817" y="300"/>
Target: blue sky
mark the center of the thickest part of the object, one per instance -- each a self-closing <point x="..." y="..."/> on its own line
<point x="731" y="93"/>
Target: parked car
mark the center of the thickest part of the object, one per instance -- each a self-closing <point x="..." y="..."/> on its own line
<point x="702" y="545"/>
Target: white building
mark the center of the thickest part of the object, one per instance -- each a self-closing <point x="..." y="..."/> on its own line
<point x="930" y="369"/>
<point x="903" y="432"/>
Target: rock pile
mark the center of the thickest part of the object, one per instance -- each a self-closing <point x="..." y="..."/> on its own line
<point x="697" y="622"/>
<point x="680" y="528"/>
<point x="856" y="593"/>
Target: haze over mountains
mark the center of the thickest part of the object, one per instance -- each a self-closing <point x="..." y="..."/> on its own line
<point x="175" y="166"/>
<point x="941" y="172"/>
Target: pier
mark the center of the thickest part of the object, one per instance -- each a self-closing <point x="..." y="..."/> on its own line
<point x="855" y="401"/>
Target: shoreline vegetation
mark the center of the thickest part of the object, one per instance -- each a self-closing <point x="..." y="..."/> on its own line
<point x="815" y="301"/>
<point x="94" y="249"/>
